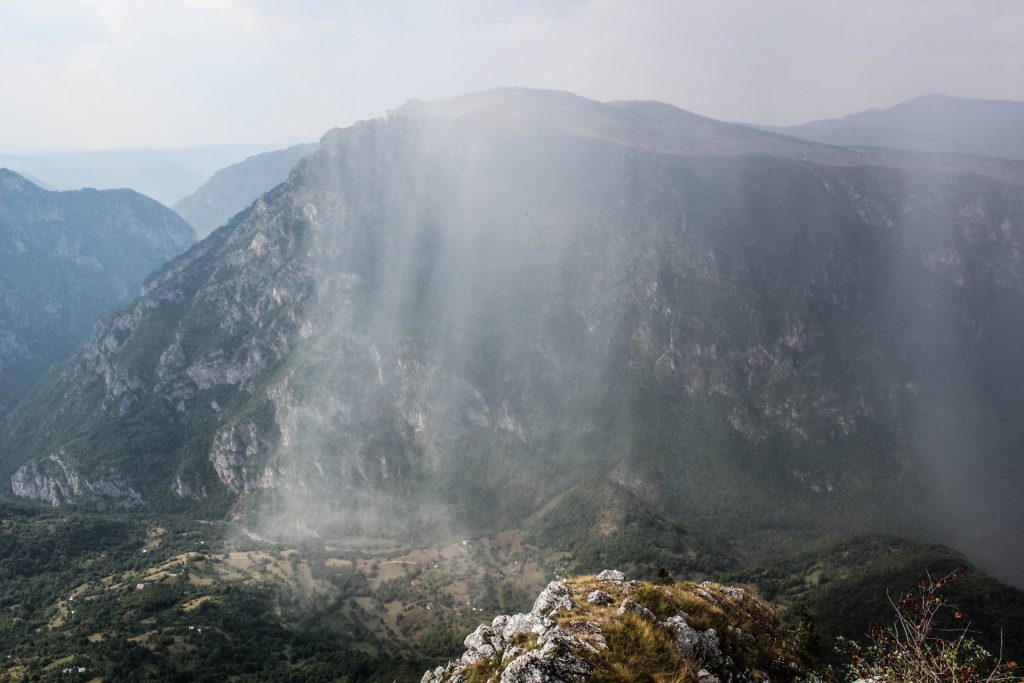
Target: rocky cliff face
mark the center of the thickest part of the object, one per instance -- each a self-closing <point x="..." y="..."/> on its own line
<point x="452" y="314"/>
<point x="55" y="481"/>
<point x="593" y="629"/>
<point x="66" y="257"/>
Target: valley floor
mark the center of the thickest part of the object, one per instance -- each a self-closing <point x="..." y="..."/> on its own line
<point x="110" y="597"/>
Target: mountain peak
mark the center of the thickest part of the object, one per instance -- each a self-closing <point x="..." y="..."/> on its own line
<point x="14" y="182"/>
<point x="455" y="318"/>
<point x="929" y="123"/>
<point x="494" y="97"/>
<point x="646" y="125"/>
<point x="595" y="628"/>
<point x="65" y="257"/>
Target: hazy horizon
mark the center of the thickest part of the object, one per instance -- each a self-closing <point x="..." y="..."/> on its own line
<point x="332" y="331"/>
<point x="103" y="74"/>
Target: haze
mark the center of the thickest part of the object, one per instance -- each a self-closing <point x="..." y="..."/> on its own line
<point x="103" y="73"/>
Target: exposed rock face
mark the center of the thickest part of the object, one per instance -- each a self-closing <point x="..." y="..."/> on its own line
<point x="56" y="481"/>
<point x="455" y="313"/>
<point x="548" y="658"/>
<point x="632" y="607"/>
<point x="555" y="598"/>
<point x="585" y="640"/>
<point x="551" y="662"/>
<point x="65" y="257"/>
<point x="702" y="646"/>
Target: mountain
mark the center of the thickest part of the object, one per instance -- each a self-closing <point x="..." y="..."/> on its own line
<point x="234" y="188"/>
<point x="605" y="628"/>
<point x="932" y="123"/>
<point x="166" y="175"/>
<point x="65" y="258"/>
<point x="848" y="582"/>
<point x="610" y="629"/>
<point x="447" y="317"/>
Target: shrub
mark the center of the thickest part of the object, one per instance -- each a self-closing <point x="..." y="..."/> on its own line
<point x="928" y="642"/>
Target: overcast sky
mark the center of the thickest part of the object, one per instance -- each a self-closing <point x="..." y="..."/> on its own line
<point x="107" y="73"/>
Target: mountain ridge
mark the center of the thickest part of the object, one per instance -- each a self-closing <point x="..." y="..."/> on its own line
<point x="166" y="175"/>
<point x="233" y="188"/>
<point x="446" y="318"/>
<point x="66" y="257"/>
<point x="933" y="123"/>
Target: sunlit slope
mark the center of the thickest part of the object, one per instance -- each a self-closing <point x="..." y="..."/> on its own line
<point x="452" y="314"/>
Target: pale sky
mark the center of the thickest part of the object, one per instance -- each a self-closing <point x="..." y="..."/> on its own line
<point x="166" y="73"/>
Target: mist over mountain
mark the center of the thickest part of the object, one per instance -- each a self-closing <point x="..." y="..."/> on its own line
<point x="65" y="258"/>
<point x="931" y="123"/>
<point x="166" y="175"/>
<point x="233" y="188"/>
<point x="446" y="317"/>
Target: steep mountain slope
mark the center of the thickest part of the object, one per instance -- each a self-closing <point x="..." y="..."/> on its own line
<point x="66" y="257"/>
<point x="446" y="317"/>
<point x="232" y="189"/>
<point x="932" y="123"/>
<point x="166" y="175"/>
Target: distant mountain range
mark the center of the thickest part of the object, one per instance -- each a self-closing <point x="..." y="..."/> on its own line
<point x="65" y="258"/>
<point x="166" y="175"/>
<point x="234" y="188"/>
<point x="932" y="123"/>
<point x="425" y="366"/>
<point x="446" y="317"/>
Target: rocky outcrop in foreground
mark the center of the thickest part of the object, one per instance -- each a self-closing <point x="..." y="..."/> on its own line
<point x="600" y="628"/>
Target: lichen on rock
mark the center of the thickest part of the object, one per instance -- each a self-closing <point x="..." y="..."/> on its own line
<point x="703" y="633"/>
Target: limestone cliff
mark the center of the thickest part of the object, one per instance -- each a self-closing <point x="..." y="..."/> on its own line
<point x="454" y="313"/>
